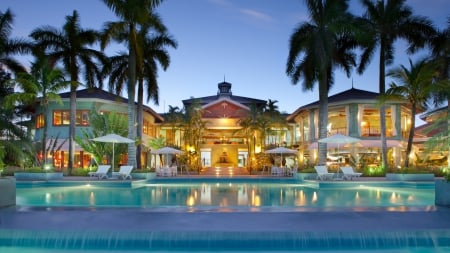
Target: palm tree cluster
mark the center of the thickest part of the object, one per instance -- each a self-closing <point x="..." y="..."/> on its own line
<point x="332" y="36"/>
<point x="73" y="48"/>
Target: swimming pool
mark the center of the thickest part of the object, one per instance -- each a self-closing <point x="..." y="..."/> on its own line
<point x="226" y="215"/>
<point x="229" y="195"/>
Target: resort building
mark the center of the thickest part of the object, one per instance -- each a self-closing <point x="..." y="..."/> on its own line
<point x="436" y="125"/>
<point x="222" y="138"/>
<point x="354" y="113"/>
<point x="88" y="101"/>
<point x="216" y="131"/>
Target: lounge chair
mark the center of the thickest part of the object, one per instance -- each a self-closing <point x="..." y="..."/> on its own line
<point x="349" y="173"/>
<point x="102" y="172"/>
<point x="124" y="172"/>
<point x="322" y="172"/>
<point x="173" y="170"/>
<point x="276" y="171"/>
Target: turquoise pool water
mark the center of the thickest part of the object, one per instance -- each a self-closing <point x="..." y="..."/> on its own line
<point x="205" y="196"/>
<point x="230" y="196"/>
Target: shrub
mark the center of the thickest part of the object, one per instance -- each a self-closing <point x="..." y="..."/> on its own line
<point x="80" y="172"/>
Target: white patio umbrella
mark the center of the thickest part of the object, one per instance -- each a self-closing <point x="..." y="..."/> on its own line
<point x="166" y="151"/>
<point x="281" y="151"/>
<point x="339" y="139"/>
<point x="113" y="138"/>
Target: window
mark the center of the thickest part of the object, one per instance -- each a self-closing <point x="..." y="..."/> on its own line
<point x="62" y="118"/>
<point x="145" y="127"/>
<point x="40" y="121"/>
<point x="82" y="118"/>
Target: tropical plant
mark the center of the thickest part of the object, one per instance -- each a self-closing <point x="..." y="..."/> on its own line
<point x="43" y="84"/>
<point x="250" y="126"/>
<point x="103" y="124"/>
<point x="14" y="145"/>
<point x="10" y="46"/>
<point x="72" y="46"/>
<point x="193" y="131"/>
<point x="157" y="143"/>
<point x="384" y="23"/>
<point x="174" y="119"/>
<point x="414" y="85"/>
<point x="134" y="15"/>
<point x="319" y="46"/>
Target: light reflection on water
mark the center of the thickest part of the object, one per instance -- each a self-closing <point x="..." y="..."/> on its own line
<point x="245" y="196"/>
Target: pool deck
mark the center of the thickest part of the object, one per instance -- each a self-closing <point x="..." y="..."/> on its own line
<point x="76" y="219"/>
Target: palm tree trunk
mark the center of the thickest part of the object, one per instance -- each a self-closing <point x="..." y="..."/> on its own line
<point x="44" y="138"/>
<point x="140" y="121"/>
<point x="382" y="88"/>
<point x="73" y="112"/>
<point x="131" y="108"/>
<point x="323" y="119"/>
<point x="411" y="134"/>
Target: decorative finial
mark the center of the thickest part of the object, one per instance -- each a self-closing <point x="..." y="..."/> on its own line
<point x="223" y="77"/>
<point x="352" y="83"/>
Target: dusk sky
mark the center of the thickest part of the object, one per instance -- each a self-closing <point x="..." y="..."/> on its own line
<point x="244" y="42"/>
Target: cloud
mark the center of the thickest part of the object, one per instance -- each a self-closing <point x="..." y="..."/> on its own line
<point x="256" y="15"/>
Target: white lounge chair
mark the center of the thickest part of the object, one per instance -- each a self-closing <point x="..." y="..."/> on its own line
<point x="276" y="171"/>
<point x="102" y="172"/>
<point x="174" y="170"/>
<point x="349" y="173"/>
<point x="124" y="172"/>
<point x="322" y="172"/>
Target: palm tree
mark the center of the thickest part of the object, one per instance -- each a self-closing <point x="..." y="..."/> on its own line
<point x="14" y="144"/>
<point x="250" y="126"/>
<point x="72" y="47"/>
<point x="154" y="52"/>
<point x="174" y="118"/>
<point x="384" y="24"/>
<point x="43" y="84"/>
<point x="133" y="15"/>
<point x="414" y="85"/>
<point x="10" y="46"/>
<point x="319" y="46"/>
<point x="193" y="130"/>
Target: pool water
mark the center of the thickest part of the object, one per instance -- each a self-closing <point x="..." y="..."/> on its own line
<point x="231" y="196"/>
<point x="206" y="196"/>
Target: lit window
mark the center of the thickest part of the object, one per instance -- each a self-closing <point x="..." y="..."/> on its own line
<point x="39" y="121"/>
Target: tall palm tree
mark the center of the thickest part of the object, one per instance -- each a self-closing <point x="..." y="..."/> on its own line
<point x="319" y="46"/>
<point x="154" y="52"/>
<point x="71" y="46"/>
<point x="44" y="83"/>
<point x="385" y="22"/>
<point x="9" y="46"/>
<point x="414" y="85"/>
<point x="133" y="15"/>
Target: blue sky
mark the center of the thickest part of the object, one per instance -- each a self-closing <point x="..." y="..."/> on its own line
<point x="244" y="42"/>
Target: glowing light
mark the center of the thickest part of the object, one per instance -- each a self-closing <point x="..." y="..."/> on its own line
<point x="190" y="201"/>
<point x="314" y="197"/>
